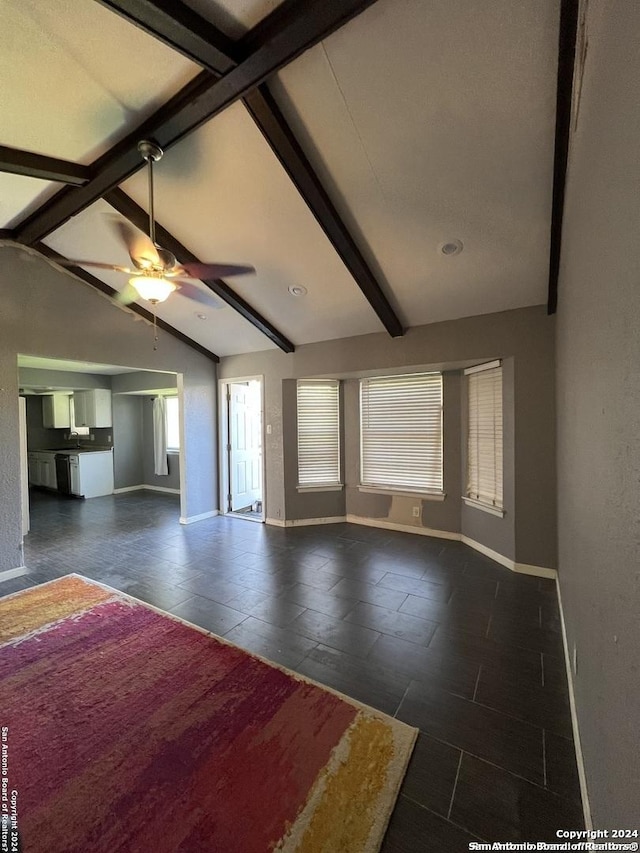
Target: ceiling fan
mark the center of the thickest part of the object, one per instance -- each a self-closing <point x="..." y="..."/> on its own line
<point x="155" y="273"/>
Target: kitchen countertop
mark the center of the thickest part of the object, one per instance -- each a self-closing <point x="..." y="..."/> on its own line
<point x="72" y="451"/>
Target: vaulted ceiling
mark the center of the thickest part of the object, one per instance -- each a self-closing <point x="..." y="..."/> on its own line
<point x="334" y="145"/>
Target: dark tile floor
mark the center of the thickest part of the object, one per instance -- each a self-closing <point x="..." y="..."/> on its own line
<point x="424" y="629"/>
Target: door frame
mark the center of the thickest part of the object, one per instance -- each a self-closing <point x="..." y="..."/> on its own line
<point x="223" y="453"/>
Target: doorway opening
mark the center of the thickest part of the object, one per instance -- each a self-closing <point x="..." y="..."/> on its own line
<point x="241" y="448"/>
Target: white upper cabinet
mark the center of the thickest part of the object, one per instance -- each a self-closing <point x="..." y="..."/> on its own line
<point x="92" y="408"/>
<point x="55" y="411"/>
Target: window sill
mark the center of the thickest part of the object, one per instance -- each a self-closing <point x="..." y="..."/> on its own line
<point x="492" y="510"/>
<point x="329" y="487"/>
<point x="405" y="493"/>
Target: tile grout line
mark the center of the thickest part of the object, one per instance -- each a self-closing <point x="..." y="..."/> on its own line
<point x="495" y="597"/>
<point x="475" y="689"/>
<point x="395" y="715"/>
<point x="542" y="667"/>
<point x="437" y="814"/>
<point x="455" y="785"/>
<point x="544" y="757"/>
<point x="540" y="616"/>
<point x="486" y="633"/>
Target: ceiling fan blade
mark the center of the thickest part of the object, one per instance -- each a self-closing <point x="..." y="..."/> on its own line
<point x="192" y="292"/>
<point x="67" y="262"/>
<point x="141" y="250"/>
<point x="203" y="271"/>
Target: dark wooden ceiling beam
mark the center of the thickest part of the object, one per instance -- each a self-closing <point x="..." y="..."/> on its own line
<point x="278" y="134"/>
<point x="96" y="283"/>
<point x="31" y="165"/>
<point x="300" y="26"/>
<point x="566" y="69"/>
<point x="180" y="28"/>
<point x="128" y="208"/>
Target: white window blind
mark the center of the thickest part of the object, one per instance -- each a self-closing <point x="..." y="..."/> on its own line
<point x="401" y="432"/>
<point x="484" y="443"/>
<point x="318" y="432"/>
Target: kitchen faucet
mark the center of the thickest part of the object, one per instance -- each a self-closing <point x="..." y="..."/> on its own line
<point x="77" y="438"/>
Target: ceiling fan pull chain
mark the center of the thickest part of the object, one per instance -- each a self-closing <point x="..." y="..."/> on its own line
<point x="155" y="330"/>
<point x="152" y="218"/>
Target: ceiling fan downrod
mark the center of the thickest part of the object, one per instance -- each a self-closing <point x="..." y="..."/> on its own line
<point x="151" y="153"/>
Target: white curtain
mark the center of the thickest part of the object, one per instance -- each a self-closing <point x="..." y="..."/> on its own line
<point x="160" y="437"/>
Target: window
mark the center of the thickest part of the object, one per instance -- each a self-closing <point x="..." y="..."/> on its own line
<point x="79" y="430"/>
<point x="401" y="432"/>
<point x="173" y="423"/>
<point x="318" y="433"/>
<point x="484" y="438"/>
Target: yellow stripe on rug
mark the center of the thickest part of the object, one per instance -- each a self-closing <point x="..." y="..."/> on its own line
<point x="22" y="614"/>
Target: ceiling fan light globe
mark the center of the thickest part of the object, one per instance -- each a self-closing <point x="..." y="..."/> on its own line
<point x="152" y="289"/>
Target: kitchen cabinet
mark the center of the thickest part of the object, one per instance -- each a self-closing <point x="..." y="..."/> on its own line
<point x="92" y="408"/>
<point x="55" y="411"/>
<point x="91" y="474"/>
<point x="41" y="466"/>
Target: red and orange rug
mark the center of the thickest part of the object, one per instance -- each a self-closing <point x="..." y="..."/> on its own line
<point x="126" y="729"/>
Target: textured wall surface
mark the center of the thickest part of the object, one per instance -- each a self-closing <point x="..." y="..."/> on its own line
<point x="48" y="313"/>
<point x="598" y="350"/>
<point x="525" y="335"/>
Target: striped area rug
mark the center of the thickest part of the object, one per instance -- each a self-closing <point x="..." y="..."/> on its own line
<point x="126" y="729"/>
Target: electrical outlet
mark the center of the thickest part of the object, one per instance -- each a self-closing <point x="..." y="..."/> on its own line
<point x="108" y="439"/>
<point x="268" y="429"/>
<point x="416" y="512"/>
<point x="92" y="437"/>
<point x="574" y="660"/>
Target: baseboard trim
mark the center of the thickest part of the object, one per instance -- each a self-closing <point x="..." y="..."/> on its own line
<point x="190" y="519"/>
<point x="146" y="488"/>
<point x="582" y="776"/>
<point x="403" y="528"/>
<point x="536" y="571"/>
<point x="9" y="574"/>
<point x="508" y="563"/>
<point x="305" y="522"/>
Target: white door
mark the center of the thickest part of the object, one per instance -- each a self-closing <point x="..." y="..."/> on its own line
<point x="245" y="444"/>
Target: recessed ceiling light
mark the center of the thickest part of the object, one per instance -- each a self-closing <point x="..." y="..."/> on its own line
<point x="451" y="247"/>
<point x="201" y="316"/>
<point x="297" y="290"/>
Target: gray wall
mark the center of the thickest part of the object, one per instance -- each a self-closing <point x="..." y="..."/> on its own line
<point x="598" y="403"/>
<point x="526" y="336"/>
<point x="48" y="313"/>
<point x="33" y="377"/>
<point x="142" y="380"/>
<point x="128" y="445"/>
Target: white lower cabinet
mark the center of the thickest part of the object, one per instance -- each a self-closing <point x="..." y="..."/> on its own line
<point x="42" y="469"/>
<point x="91" y="474"/>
